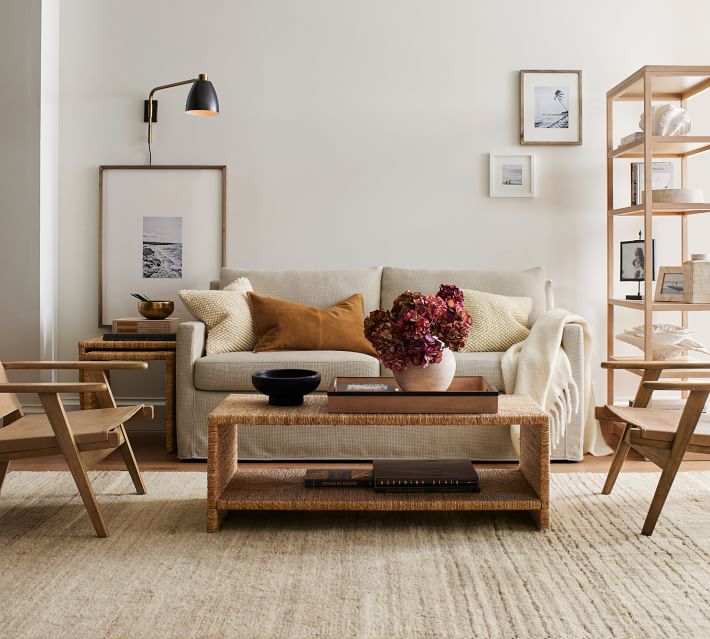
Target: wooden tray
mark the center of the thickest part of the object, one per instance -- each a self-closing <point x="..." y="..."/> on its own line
<point x="465" y="395"/>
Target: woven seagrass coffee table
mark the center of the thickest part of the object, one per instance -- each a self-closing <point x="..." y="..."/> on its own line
<point x="526" y="487"/>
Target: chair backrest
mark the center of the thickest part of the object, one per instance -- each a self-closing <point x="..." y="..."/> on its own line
<point x="8" y="401"/>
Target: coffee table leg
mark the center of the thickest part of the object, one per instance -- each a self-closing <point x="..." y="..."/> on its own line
<point x="170" y="402"/>
<point x="535" y="466"/>
<point x="221" y="466"/>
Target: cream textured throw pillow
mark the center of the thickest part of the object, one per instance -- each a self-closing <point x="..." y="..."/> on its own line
<point x="498" y="321"/>
<point x="226" y="314"/>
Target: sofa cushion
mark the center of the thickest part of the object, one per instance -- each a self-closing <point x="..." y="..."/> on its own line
<point x="281" y="325"/>
<point x="530" y="283"/>
<point x="315" y="288"/>
<point x="498" y="321"/>
<point x="467" y="364"/>
<point x="233" y="371"/>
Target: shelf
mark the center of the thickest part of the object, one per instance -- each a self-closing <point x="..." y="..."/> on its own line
<point x="659" y="306"/>
<point x="665" y="208"/>
<point x="665" y="146"/>
<point x="668" y="374"/>
<point x="669" y="83"/>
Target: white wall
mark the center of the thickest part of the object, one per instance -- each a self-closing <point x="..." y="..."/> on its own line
<point x="19" y="178"/>
<point x="358" y="133"/>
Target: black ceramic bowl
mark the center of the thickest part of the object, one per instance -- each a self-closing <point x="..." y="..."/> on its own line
<point x="286" y="386"/>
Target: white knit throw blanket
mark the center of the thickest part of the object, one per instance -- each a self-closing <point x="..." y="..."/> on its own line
<point x="539" y="367"/>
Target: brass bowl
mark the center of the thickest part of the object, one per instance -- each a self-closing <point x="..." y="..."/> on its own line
<point x="156" y="310"/>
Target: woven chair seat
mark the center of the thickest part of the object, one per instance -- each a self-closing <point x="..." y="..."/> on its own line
<point x="659" y="425"/>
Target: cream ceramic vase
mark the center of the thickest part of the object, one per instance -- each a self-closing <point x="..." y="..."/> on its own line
<point x="435" y="377"/>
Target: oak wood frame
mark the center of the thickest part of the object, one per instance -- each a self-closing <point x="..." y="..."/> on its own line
<point x="155" y="167"/>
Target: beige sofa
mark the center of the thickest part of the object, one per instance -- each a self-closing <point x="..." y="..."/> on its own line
<point x="204" y="380"/>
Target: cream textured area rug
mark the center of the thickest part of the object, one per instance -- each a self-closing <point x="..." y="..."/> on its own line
<point x="447" y="575"/>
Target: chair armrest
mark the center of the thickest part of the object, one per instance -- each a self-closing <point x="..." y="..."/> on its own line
<point x="48" y="387"/>
<point x="655" y="365"/>
<point x="679" y="386"/>
<point x="28" y="365"/>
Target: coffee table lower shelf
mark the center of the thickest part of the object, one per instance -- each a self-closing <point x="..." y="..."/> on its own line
<point x="283" y="489"/>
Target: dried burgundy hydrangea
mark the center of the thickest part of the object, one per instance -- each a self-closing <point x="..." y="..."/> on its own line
<point x="419" y="327"/>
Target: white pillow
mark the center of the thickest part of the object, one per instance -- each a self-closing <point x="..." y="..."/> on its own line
<point x="226" y="314"/>
<point x="498" y="321"/>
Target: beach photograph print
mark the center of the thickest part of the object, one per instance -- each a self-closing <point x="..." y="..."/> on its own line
<point x="162" y="247"/>
<point x="512" y="174"/>
<point x="551" y="107"/>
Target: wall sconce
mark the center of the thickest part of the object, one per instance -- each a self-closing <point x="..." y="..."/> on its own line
<point x="202" y="100"/>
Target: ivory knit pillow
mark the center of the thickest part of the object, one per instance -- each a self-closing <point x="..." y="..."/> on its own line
<point x="226" y="314"/>
<point x="498" y="321"/>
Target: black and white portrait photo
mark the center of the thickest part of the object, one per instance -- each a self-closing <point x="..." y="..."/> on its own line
<point x="162" y="247"/>
<point x="633" y="261"/>
<point x="551" y="107"/>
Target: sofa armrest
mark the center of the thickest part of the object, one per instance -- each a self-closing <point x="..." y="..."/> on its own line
<point x="190" y="344"/>
<point x="572" y="446"/>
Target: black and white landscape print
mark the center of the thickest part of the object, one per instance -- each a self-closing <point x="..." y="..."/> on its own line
<point x="512" y="174"/>
<point x="162" y="247"/>
<point x="552" y="107"/>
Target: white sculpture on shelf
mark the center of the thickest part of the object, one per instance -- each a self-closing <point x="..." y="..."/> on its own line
<point x="668" y="119"/>
<point x="669" y="341"/>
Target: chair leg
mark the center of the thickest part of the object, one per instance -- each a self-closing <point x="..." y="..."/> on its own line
<point x="622" y="450"/>
<point x="130" y="459"/>
<point x="659" y="498"/>
<point x="62" y="431"/>
<point x="3" y="471"/>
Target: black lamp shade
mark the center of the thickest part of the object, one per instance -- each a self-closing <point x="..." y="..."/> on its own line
<point x="202" y="99"/>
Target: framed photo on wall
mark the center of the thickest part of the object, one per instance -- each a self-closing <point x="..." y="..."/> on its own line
<point x="671" y="285"/>
<point x="550" y="107"/>
<point x="512" y="175"/>
<point x="161" y="229"/>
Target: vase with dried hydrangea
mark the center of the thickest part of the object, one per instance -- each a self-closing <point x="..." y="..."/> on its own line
<point x="416" y="338"/>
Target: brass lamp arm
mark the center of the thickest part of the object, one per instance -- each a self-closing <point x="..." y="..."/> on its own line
<point x="150" y="102"/>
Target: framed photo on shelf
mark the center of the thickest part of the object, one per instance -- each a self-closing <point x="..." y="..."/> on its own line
<point x="550" y="107"/>
<point x="162" y="228"/>
<point x="671" y="285"/>
<point x="512" y="175"/>
<point x="633" y="261"/>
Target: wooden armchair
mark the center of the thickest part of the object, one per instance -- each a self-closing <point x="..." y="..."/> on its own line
<point x="83" y="437"/>
<point x="662" y="436"/>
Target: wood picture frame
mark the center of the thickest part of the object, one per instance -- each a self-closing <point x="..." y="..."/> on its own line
<point x="551" y="107"/>
<point x="511" y="175"/>
<point x="671" y="285"/>
<point x="161" y="228"/>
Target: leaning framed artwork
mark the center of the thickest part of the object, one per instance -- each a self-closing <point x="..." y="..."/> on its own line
<point x="512" y="175"/>
<point x="671" y="285"/>
<point x="550" y="107"/>
<point x="162" y="228"/>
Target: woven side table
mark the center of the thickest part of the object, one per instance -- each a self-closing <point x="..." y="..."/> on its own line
<point x="98" y="349"/>
<point x="524" y="488"/>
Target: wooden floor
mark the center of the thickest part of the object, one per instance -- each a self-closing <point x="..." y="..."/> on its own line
<point x="149" y="448"/>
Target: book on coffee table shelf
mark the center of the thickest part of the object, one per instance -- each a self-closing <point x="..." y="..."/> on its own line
<point x="141" y="325"/>
<point x="425" y="475"/>
<point x="342" y="478"/>
<point x="140" y="337"/>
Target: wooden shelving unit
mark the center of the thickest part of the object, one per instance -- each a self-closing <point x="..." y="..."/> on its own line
<point x="648" y="85"/>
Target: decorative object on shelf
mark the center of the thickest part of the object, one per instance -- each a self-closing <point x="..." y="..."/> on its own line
<point x="668" y="119"/>
<point x="696" y="277"/>
<point x="669" y="341"/>
<point x="636" y="136"/>
<point x="661" y="178"/>
<point x="417" y="334"/>
<point x="137" y="325"/>
<point x="156" y="309"/>
<point x="201" y="100"/>
<point x="670" y="284"/>
<point x="179" y="244"/>
<point x="633" y="264"/>
<point x="286" y="386"/>
<point x="676" y="195"/>
<point x="511" y="176"/>
<point x="550" y="107"/>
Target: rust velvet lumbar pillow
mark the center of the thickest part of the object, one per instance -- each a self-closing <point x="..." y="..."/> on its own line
<point x="281" y="325"/>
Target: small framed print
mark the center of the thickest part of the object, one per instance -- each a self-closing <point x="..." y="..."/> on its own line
<point x="550" y="107"/>
<point x="512" y="176"/>
<point x="671" y="286"/>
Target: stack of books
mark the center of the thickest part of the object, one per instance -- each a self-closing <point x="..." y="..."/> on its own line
<point x="138" y="328"/>
<point x="402" y="476"/>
